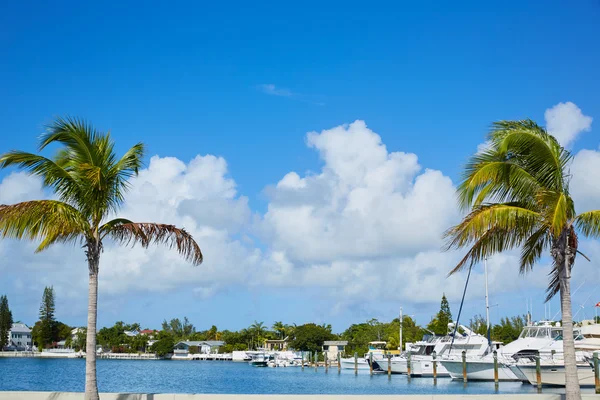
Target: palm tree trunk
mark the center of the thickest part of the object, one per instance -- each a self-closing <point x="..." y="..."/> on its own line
<point x="91" y="384"/>
<point x="572" y="389"/>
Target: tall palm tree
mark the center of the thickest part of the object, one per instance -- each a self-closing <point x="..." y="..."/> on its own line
<point x="279" y="327"/>
<point x="258" y="330"/>
<point x="90" y="182"/>
<point x="517" y="194"/>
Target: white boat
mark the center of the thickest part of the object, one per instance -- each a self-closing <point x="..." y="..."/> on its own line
<point x="376" y="352"/>
<point x="361" y="363"/>
<point x="259" y="359"/>
<point x="553" y="374"/>
<point x="473" y="344"/>
<point x="587" y="341"/>
<point x="421" y="353"/>
<point x="530" y="341"/>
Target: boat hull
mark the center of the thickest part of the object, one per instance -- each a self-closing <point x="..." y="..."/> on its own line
<point x="361" y="364"/>
<point x="425" y="368"/>
<point x="554" y="375"/>
<point x="478" y="370"/>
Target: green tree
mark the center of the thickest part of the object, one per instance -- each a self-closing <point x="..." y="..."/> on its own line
<point x="310" y="337"/>
<point x="181" y="330"/>
<point x="164" y="344"/>
<point x="6" y="321"/>
<point x="62" y="331"/>
<point x="80" y="338"/>
<point x="258" y="331"/>
<point x="47" y="332"/>
<point x="89" y="182"/>
<point x="517" y="195"/>
<point x="439" y="324"/>
<point x="280" y="329"/>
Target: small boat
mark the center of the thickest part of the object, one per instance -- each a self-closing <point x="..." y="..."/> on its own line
<point x="259" y="359"/>
<point x="376" y="352"/>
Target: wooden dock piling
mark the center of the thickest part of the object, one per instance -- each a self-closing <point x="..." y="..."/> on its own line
<point x="596" y="373"/>
<point x="496" y="369"/>
<point x="538" y="374"/>
<point x="355" y="363"/>
<point x="464" y="365"/>
<point x="434" y="356"/>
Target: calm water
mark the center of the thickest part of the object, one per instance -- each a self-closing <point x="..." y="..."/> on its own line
<point x="143" y="376"/>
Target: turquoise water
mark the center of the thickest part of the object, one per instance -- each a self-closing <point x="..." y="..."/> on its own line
<point x="143" y="376"/>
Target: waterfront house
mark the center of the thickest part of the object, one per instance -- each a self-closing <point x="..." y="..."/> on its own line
<point x="276" y="344"/>
<point x="333" y="347"/>
<point x="183" y="348"/>
<point x="131" y="333"/>
<point x="19" y="338"/>
<point x="148" y="332"/>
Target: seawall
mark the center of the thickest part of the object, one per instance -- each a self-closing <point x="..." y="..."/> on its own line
<point x="127" y="396"/>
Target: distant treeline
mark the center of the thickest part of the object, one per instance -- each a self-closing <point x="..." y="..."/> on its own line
<point x="123" y="337"/>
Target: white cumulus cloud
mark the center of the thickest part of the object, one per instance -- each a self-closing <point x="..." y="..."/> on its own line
<point x="565" y="121"/>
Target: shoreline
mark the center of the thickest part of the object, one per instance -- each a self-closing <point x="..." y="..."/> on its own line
<point x="166" y="396"/>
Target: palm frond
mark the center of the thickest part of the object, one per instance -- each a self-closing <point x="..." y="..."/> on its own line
<point x="49" y="220"/>
<point x="509" y="217"/>
<point x="553" y="283"/>
<point x="556" y="212"/>
<point x="490" y="177"/>
<point x="150" y="233"/>
<point x="52" y="174"/>
<point x="539" y="152"/>
<point x="75" y="134"/>
<point x="108" y="226"/>
<point x="494" y="240"/>
<point x="533" y="249"/>
<point x="588" y="223"/>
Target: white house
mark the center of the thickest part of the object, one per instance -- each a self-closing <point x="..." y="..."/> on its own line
<point x="204" y="346"/>
<point x="19" y="338"/>
<point x="333" y="347"/>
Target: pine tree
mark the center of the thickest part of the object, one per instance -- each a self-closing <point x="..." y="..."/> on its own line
<point x="6" y="322"/>
<point x="439" y="325"/>
<point x="48" y="323"/>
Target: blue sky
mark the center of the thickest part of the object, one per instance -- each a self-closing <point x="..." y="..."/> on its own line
<point x="246" y="83"/>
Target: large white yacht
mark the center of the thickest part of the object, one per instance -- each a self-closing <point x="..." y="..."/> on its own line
<point x="421" y="353"/>
<point x="587" y="341"/>
<point x="530" y="341"/>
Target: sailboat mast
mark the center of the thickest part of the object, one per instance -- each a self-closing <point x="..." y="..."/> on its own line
<point x="487" y="303"/>
<point x="400" y="342"/>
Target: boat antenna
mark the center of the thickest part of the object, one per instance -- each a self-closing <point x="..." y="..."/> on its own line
<point x="487" y="303"/>
<point x="460" y="308"/>
<point x="400" y="333"/>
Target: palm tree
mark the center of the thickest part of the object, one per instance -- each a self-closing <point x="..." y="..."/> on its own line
<point x="517" y="195"/>
<point x="258" y="330"/>
<point x="90" y="182"/>
<point x="279" y="327"/>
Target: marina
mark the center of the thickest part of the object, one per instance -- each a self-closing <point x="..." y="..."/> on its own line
<point x="165" y="376"/>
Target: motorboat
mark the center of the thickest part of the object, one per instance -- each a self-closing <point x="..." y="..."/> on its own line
<point x="376" y="352"/>
<point x="449" y="346"/>
<point x="259" y="359"/>
<point x="530" y="341"/>
<point x="587" y="342"/>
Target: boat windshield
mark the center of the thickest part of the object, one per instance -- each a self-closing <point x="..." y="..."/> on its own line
<point x="539" y="332"/>
<point x="377" y="345"/>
